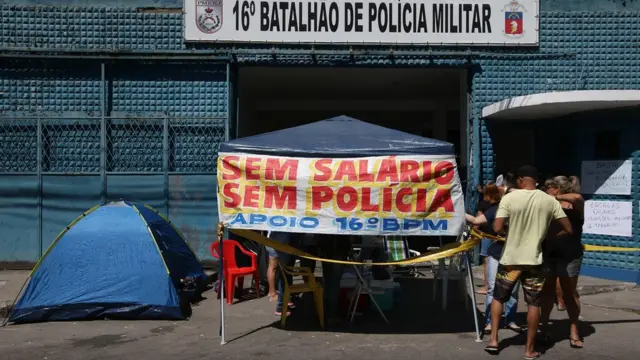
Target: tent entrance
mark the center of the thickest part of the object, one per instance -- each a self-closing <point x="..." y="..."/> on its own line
<point x="426" y="102"/>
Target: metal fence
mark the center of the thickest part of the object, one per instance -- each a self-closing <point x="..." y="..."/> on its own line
<point x="54" y="168"/>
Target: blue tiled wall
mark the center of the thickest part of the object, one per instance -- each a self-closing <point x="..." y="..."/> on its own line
<point x="599" y="36"/>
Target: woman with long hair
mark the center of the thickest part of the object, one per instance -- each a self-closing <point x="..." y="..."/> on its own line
<point x="563" y="257"/>
<point x="492" y="195"/>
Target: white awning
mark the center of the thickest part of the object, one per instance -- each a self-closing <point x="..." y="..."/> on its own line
<point x="553" y="104"/>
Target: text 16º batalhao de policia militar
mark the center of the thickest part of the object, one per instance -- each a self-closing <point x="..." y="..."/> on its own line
<point x="369" y="16"/>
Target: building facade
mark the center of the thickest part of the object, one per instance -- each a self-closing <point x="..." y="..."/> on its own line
<point x="106" y="100"/>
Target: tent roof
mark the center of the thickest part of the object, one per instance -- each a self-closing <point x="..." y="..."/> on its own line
<point x="341" y="136"/>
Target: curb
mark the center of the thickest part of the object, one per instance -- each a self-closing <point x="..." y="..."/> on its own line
<point x="585" y="290"/>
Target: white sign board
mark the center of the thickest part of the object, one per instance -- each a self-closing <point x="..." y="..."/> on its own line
<point x="397" y="22"/>
<point x="608" y="218"/>
<point x="606" y="177"/>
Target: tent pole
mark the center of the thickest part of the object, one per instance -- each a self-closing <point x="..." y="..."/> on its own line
<point x="221" y="282"/>
<point x="472" y="288"/>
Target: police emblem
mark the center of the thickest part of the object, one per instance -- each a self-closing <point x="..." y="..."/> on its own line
<point x="514" y="20"/>
<point x="209" y="15"/>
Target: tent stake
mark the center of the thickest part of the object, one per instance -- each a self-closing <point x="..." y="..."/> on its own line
<point x="221" y="282"/>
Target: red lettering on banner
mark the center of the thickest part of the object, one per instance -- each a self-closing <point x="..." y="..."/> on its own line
<point x="345" y="193"/>
<point x="234" y="198"/>
<point x="319" y="196"/>
<point x="252" y="168"/>
<point x="363" y="171"/>
<point x="427" y="174"/>
<point x="274" y="199"/>
<point x="322" y="166"/>
<point x="409" y="171"/>
<point x="366" y="201"/>
<point x="276" y="169"/>
<point x="387" y="199"/>
<point x="400" y="204"/>
<point x="421" y="201"/>
<point x="444" y="172"/>
<point x="251" y="196"/>
<point x="234" y="171"/>
<point x="346" y="168"/>
<point x="441" y="199"/>
<point x="388" y="171"/>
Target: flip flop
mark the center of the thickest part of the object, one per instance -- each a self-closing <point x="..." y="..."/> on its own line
<point x="515" y="328"/>
<point x="279" y="313"/>
<point x="487" y="330"/>
<point x="572" y="343"/>
<point x="493" y="350"/>
<point x="537" y="356"/>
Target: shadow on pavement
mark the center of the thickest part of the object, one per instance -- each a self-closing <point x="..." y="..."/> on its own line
<point x="416" y="313"/>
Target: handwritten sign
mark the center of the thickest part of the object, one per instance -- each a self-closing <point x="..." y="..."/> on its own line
<point x="611" y="177"/>
<point x="608" y="218"/>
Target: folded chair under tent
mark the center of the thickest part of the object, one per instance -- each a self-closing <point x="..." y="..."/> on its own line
<point x="397" y="248"/>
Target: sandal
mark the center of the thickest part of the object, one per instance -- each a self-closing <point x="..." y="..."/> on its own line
<point x="536" y="356"/>
<point x="572" y="343"/>
<point x="279" y="313"/>
<point x="561" y="307"/>
<point x="493" y="350"/>
<point x="487" y="330"/>
<point x="515" y="328"/>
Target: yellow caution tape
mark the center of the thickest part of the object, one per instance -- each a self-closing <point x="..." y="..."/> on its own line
<point x="444" y="252"/>
<point x="476" y="233"/>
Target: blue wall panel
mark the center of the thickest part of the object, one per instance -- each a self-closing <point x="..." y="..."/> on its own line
<point x="147" y="189"/>
<point x="193" y="208"/>
<point x="64" y="199"/>
<point x="598" y="36"/>
<point x="53" y="88"/>
<point x="18" y="214"/>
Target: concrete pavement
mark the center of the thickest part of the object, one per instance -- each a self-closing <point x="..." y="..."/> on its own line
<point x="419" y="329"/>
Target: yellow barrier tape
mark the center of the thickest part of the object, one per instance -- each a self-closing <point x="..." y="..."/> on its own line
<point x="476" y="233"/>
<point x="444" y="252"/>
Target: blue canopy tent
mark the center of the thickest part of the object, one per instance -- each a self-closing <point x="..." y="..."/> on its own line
<point x="119" y="260"/>
<point x="337" y="137"/>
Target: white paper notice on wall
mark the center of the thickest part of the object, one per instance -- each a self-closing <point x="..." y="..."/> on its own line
<point x="611" y="177"/>
<point x="608" y="218"/>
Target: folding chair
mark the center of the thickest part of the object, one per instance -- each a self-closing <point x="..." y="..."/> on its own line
<point x="397" y="247"/>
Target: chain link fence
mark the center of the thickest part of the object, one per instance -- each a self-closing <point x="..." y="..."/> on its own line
<point x="112" y="145"/>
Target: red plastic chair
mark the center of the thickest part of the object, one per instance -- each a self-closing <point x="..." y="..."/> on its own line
<point x="232" y="272"/>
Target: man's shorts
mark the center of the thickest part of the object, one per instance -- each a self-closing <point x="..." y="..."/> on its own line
<point x="531" y="277"/>
<point x="562" y="267"/>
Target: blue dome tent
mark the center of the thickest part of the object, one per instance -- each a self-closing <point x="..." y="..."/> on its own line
<point x="119" y="260"/>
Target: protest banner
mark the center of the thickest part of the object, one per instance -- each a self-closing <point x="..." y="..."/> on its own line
<point x="384" y="195"/>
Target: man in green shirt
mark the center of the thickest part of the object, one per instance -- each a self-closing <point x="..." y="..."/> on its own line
<point x="529" y="213"/>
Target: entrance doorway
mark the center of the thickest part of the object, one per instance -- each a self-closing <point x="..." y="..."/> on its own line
<point x="425" y="102"/>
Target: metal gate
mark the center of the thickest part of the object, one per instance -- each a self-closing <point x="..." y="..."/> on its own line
<point x="53" y="168"/>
